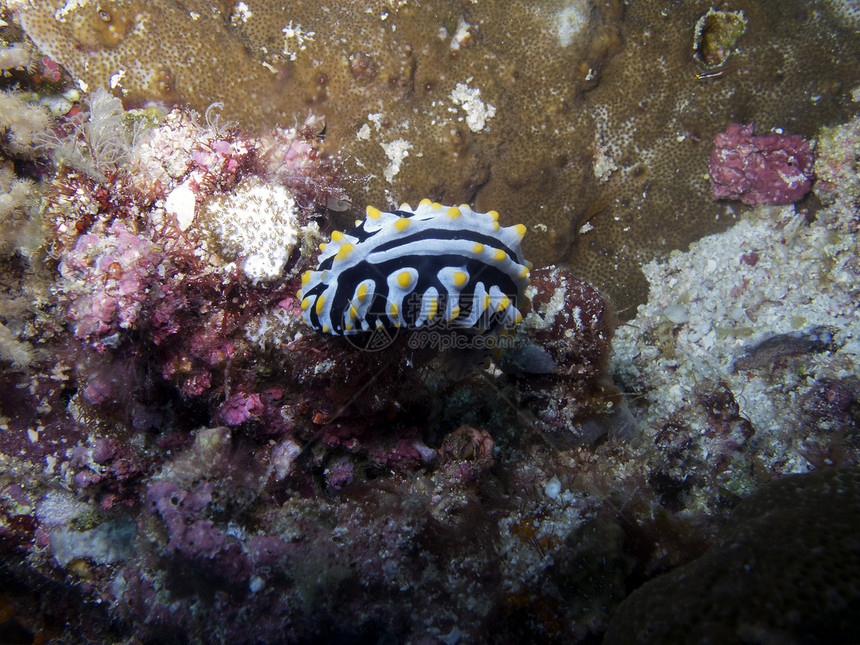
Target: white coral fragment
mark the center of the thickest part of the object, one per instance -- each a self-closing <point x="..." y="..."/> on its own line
<point x="258" y="224"/>
<point x="469" y="100"/>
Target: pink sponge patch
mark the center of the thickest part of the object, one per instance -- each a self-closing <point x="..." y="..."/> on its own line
<point x="768" y="169"/>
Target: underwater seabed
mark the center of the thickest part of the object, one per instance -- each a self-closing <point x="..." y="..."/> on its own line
<point x="742" y="368"/>
<point x="724" y="453"/>
<point x="183" y="460"/>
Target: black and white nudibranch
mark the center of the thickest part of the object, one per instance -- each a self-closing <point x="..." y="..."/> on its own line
<point x="434" y="265"/>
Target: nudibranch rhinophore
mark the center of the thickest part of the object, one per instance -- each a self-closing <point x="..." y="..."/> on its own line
<point x="441" y="266"/>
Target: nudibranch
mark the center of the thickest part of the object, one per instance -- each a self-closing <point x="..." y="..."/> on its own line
<point x="443" y="266"/>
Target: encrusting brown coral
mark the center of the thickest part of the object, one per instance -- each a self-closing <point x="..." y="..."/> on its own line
<point x="589" y="121"/>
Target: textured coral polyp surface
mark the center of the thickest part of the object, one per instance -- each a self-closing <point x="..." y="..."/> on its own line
<point x="556" y="114"/>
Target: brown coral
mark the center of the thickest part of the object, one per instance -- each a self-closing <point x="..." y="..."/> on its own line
<point x="588" y="121"/>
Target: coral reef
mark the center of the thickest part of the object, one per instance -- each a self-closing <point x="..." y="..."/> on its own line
<point x="256" y="223"/>
<point x="769" y="169"/>
<point x="20" y="123"/>
<point x="768" y="309"/>
<point x="175" y="437"/>
<point x="564" y="355"/>
<point x="13" y="57"/>
<point x="107" y="280"/>
<point x="738" y="335"/>
<point x="183" y="459"/>
<point x="18" y="207"/>
<point x="591" y="126"/>
<point x="837" y="164"/>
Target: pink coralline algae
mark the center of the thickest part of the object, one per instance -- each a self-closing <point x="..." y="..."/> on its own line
<point x="189" y="534"/>
<point x="108" y="471"/>
<point x="241" y="407"/>
<point x="107" y="279"/>
<point x="340" y="473"/>
<point x="768" y="169"/>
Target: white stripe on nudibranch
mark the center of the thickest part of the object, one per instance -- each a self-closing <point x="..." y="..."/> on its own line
<point x="433" y="265"/>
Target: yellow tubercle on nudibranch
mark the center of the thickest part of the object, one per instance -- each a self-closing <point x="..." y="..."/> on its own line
<point x="434" y="305"/>
<point x="344" y="251"/>
<point x="446" y="266"/>
<point x="404" y="279"/>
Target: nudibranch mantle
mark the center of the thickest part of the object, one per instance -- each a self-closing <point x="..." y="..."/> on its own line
<point x="436" y="265"/>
